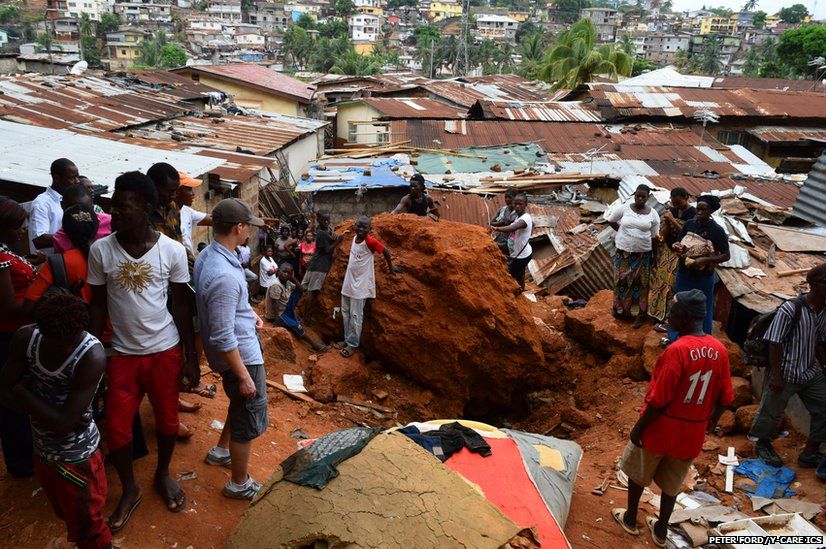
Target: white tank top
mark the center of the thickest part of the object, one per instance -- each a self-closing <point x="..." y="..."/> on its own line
<point x="360" y="278"/>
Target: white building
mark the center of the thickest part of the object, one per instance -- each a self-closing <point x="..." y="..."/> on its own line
<point x="94" y="8"/>
<point x="364" y="27"/>
<point x="605" y="21"/>
<point x="496" y="27"/>
<point x="250" y="39"/>
<point x="228" y="10"/>
<point x="144" y="10"/>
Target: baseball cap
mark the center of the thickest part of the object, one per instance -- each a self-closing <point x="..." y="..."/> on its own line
<point x="694" y="301"/>
<point x="233" y="210"/>
<point x="187" y="181"/>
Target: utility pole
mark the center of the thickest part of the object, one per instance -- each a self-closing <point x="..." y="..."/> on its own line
<point x="464" y="35"/>
<point x="432" y="41"/>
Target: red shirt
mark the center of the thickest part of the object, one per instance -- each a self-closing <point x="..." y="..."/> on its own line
<point x="22" y="274"/>
<point x="374" y="245"/>
<point x="689" y="379"/>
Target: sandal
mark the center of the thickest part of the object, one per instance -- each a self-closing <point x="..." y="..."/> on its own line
<point x="661" y="327"/>
<point x="340" y="345"/>
<point x="125" y="518"/>
<point x="174" y="504"/>
<point x="619" y="515"/>
<point x="651" y="522"/>
<point x="347" y="352"/>
<point x="207" y="391"/>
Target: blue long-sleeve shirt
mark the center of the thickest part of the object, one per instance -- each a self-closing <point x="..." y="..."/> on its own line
<point x="225" y="316"/>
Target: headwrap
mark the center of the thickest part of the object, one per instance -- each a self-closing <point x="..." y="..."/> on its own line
<point x="712" y="201"/>
<point x="693" y="301"/>
<point x="12" y="214"/>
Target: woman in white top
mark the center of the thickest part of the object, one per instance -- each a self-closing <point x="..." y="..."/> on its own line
<point x="638" y="227"/>
<point x="519" y="235"/>
<point x="267" y="269"/>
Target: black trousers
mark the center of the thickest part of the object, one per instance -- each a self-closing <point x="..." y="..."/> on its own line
<point x="15" y="429"/>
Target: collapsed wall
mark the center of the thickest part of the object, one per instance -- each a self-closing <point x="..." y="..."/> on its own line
<point x="453" y="321"/>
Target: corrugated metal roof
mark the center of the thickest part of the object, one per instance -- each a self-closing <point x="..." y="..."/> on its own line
<point x="250" y="74"/>
<point x="28" y="151"/>
<point x="740" y="82"/>
<point x="240" y="168"/>
<point x="811" y="202"/>
<point x="413" y="107"/>
<point x="494" y="87"/>
<point x="550" y="111"/>
<point x="477" y="210"/>
<point x="625" y="102"/>
<point x="779" y="193"/>
<point x="171" y="83"/>
<point x="787" y="134"/>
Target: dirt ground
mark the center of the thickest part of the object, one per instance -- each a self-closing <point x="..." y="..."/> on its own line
<point x="598" y="401"/>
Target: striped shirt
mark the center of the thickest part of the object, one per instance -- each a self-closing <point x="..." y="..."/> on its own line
<point x="799" y="363"/>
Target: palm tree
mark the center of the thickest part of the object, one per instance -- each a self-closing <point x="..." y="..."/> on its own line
<point x="531" y="49"/>
<point x="750" y="5"/>
<point x="353" y="63"/>
<point x="574" y="58"/>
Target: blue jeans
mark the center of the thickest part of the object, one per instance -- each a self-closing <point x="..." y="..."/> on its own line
<point x="705" y="284"/>
<point x="352" y="314"/>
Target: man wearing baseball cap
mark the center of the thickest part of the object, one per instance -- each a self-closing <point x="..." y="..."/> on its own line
<point x="190" y="218"/>
<point x="230" y="339"/>
<point x="690" y="386"/>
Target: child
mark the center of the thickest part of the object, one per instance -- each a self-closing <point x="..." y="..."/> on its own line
<point x="52" y="374"/>
<point x="360" y="283"/>
<point x="307" y="248"/>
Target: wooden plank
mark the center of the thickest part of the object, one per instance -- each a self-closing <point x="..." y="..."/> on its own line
<point x="297" y="396"/>
<point x="354" y="402"/>
<point x="730" y="471"/>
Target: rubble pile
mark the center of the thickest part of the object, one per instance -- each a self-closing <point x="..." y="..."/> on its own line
<point x="453" y="321"/>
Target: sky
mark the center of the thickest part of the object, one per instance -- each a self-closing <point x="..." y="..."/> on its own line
<point x="769" y="6"/>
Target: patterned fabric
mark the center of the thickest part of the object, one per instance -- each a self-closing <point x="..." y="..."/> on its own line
<point x="662" y="285"/>
<point x="168" y="221"/>
<point x="22" y="275"/>
<point x="316" y="464"/>
<point x="53" y="387"/>
<point x="633" y="274"/>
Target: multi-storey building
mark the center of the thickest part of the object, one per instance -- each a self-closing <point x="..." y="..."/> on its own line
<point x="364" y="28"/>
<point x="496" y="27"/>
<point x="93" y="8"/>
<point x="228" y="10"/>
<point x="605" y="21"/>
<point x="437" y="11"/>
<point x="270" y="17"/>
<point x="718" y="25"/>
<point x="122" y="49"/>
<point x="369" y="7"/>
<point x="661" y="48"/>
<point x="134" y="11"/>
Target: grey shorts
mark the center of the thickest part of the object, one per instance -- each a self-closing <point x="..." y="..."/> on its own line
<point x="313" y="281"/>
<point x="643" y="467"/>
<point x="247" y="416"/>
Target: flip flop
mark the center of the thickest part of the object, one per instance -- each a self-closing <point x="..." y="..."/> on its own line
<point x="340" y="345"/>
<point x="651" y="522"/>
<point x="179" y="500"/>
<point x="125" y="518"/>
<point x="206" y="391"/>
<point x="347" y="352"/>
<point x="619" y="515"/>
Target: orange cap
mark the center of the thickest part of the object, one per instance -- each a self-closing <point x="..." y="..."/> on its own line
<point x="187" y="181"/>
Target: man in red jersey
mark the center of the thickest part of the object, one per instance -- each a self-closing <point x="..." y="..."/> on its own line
<point x="690" y="387"/>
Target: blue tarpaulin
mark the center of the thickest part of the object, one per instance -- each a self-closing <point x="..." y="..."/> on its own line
<point x="381" y="175"/>
<point x="769" y="479"/>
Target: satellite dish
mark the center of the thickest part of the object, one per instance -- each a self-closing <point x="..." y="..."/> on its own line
<point x="79" y="67"/>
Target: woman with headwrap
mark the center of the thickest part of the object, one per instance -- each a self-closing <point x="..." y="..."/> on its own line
<point x="638" y="226"/>
<point x="16" y="274"/>
<point x="697" y="272"/>
<point x="665" y="270"/>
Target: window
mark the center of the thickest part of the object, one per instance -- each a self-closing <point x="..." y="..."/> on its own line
<point x="123" y="52"/>
<point x="732" y="138"/>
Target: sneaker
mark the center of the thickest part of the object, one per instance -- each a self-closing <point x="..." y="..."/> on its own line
<point x="809" y="461"/>
<point x="214" y="459"/>
<point x="247" y="492"/>
<point x="821" y="469"/>
<point x="765" y="451"/>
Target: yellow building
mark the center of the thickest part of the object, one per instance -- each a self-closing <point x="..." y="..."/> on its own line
<point x="255" y="86"/>
<point x="369" y="7"/>
<point x="122" y="48"/>
<point x="364" y="48"/>
<point x="520" y="16"/>
<point x="444" y="10"/>
<point x="718" y="25"/>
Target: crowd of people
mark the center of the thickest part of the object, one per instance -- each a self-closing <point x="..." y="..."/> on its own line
<point x="115" y="307"/>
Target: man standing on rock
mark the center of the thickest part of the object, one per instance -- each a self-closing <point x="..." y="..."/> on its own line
<point x="230" y="339"/>
<point x="797" y="357"/>
<point x="519" y="236"/>
<point x="318" y="267"/>
<point x="360" y="283"/>
<point x="690" y="386"/>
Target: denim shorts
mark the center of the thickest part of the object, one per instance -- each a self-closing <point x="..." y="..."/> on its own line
<point x="247" y="416"/>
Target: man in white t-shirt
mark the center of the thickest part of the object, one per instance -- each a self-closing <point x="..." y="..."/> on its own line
<point x="46" y="214"/>
<point x="360" y="283"/>
<point x="132" y="273"/>
<point x="190" y="218"/>
<point x="519" y="236"/>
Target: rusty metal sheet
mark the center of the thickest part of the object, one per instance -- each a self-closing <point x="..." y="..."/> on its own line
<point x="414" y="107"/>
<point x="258" y="76"/>
<point x="795" y="240"/>
<point x="549" y="111"/>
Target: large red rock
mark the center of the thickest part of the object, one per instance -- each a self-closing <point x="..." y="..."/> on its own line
<point x="727" y="422"/>
<point x="454" y="321"/>
<point x="596" y="328"/>
<point x="652" y="349"/>
<point x="742" y="392"/>
<point x="744" y="417"/>
<point x="735" y="353"/>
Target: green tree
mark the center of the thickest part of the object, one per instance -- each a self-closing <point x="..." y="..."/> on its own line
<point x="642" y="65"/>
<point x="527" y="28"/>
<point x="750" y="5"/>
<point x="721" y="12"/>
<point x="109" y="22"/>
<point x="345" y="8"/>
<point x="752" y="62"/>
<point x="798" y="47"/>
<point x="574" y="58"/>
<point x="353" y="63"/>
<point x="88" y="40"/>
<point x="172" y="56"/>
<point x="396" y="4"/>
<point x="793" y="14"/>
<point x="531" y="48"/>
<point x="425" y="34"/>
<point x="567" y="11"/>
<point x="9" y="14"/>
<point x="305" y="22"/>
<point x="759" y="19"/>
<point x="297" y="47"/>
<point x="626" y="43"/>
<point x="323" y="52"/>
<point x="710" y="62"/>
<point x="45" y="42"/>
